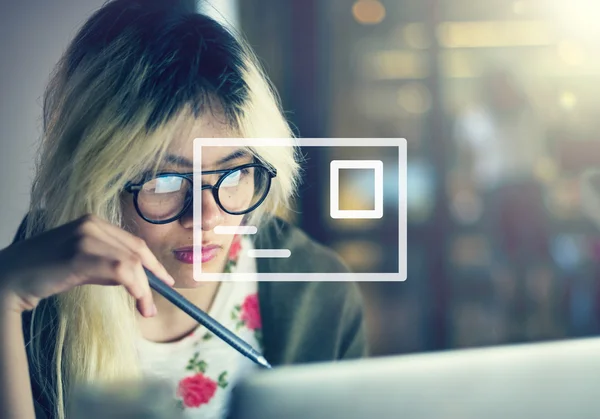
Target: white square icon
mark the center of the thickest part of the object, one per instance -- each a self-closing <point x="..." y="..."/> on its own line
<point x="334" y="200"/>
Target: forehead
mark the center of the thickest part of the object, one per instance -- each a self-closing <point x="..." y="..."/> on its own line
<point x="206" y="126"/>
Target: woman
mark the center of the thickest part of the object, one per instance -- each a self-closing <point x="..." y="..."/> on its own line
<point x="113" y="194"/>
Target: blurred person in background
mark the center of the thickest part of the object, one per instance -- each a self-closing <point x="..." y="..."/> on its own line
<point x="499" y="141"/>
<point x="499" y="138"/>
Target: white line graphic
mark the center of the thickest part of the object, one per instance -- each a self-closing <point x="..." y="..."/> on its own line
<point x="269" y="253"/>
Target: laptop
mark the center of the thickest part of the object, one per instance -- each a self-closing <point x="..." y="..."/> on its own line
<point x="554" y="380"/>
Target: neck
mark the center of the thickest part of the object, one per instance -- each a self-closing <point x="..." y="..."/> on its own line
<point x="172" y="324"/>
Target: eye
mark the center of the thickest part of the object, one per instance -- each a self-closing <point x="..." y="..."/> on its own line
<point x="232" y="179"/>
<point x="165" y="184"/>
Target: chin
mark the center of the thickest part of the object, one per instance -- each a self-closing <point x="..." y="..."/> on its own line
<point x="184" y="276"/>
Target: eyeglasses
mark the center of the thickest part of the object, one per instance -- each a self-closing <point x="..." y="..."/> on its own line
<point x="165" y="197"/>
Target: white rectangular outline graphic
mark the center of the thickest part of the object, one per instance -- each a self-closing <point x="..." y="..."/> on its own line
<point x="334" y="189"/>
<point x="305" y="142"/>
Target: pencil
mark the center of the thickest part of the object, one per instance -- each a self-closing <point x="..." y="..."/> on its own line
<point x="204" y="319"/>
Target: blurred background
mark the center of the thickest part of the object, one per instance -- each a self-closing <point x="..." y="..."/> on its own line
<point x="498" y="101"/>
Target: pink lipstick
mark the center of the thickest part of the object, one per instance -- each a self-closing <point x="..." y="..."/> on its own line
<point x="203" y="254"/>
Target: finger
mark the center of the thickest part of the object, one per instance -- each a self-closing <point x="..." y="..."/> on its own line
<point x="138" y="246"/>
<point x="99" y="260"/>
<point x="110" y="272"/>
<point x="103" y="235"/>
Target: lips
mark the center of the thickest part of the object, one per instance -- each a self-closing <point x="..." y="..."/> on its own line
<point x="202" y="254"/>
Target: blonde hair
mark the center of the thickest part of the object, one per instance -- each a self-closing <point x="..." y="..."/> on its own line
<point x="134" y="72"/>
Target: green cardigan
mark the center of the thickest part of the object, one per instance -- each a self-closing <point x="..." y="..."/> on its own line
<point x="302" y="321"/>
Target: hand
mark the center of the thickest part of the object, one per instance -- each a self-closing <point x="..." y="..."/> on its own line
<point x="86" y="251"/>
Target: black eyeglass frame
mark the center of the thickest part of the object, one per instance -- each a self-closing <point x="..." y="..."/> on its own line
<point x="135" y="188"/>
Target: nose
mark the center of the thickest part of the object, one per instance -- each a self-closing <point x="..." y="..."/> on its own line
<point x="212" y="215"/>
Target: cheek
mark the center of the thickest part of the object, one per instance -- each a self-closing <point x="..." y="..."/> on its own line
<point x="233" y="220"/>
<point x="230" y="220"/>
<point x="130" y="217"/>
<point x="152" y="234"/>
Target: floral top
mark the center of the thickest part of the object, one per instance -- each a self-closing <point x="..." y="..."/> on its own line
<point x="201" y="367"/>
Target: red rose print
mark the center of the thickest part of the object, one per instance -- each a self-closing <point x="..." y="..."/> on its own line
<point x="196" y="390"/>
<point x="251" y="312"/>
<point x="235" y="248"/>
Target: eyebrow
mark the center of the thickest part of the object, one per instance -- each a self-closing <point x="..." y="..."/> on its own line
<point x="182" y="161"/>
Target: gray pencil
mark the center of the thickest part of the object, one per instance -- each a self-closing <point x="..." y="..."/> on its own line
<point x="204" y="319"/>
